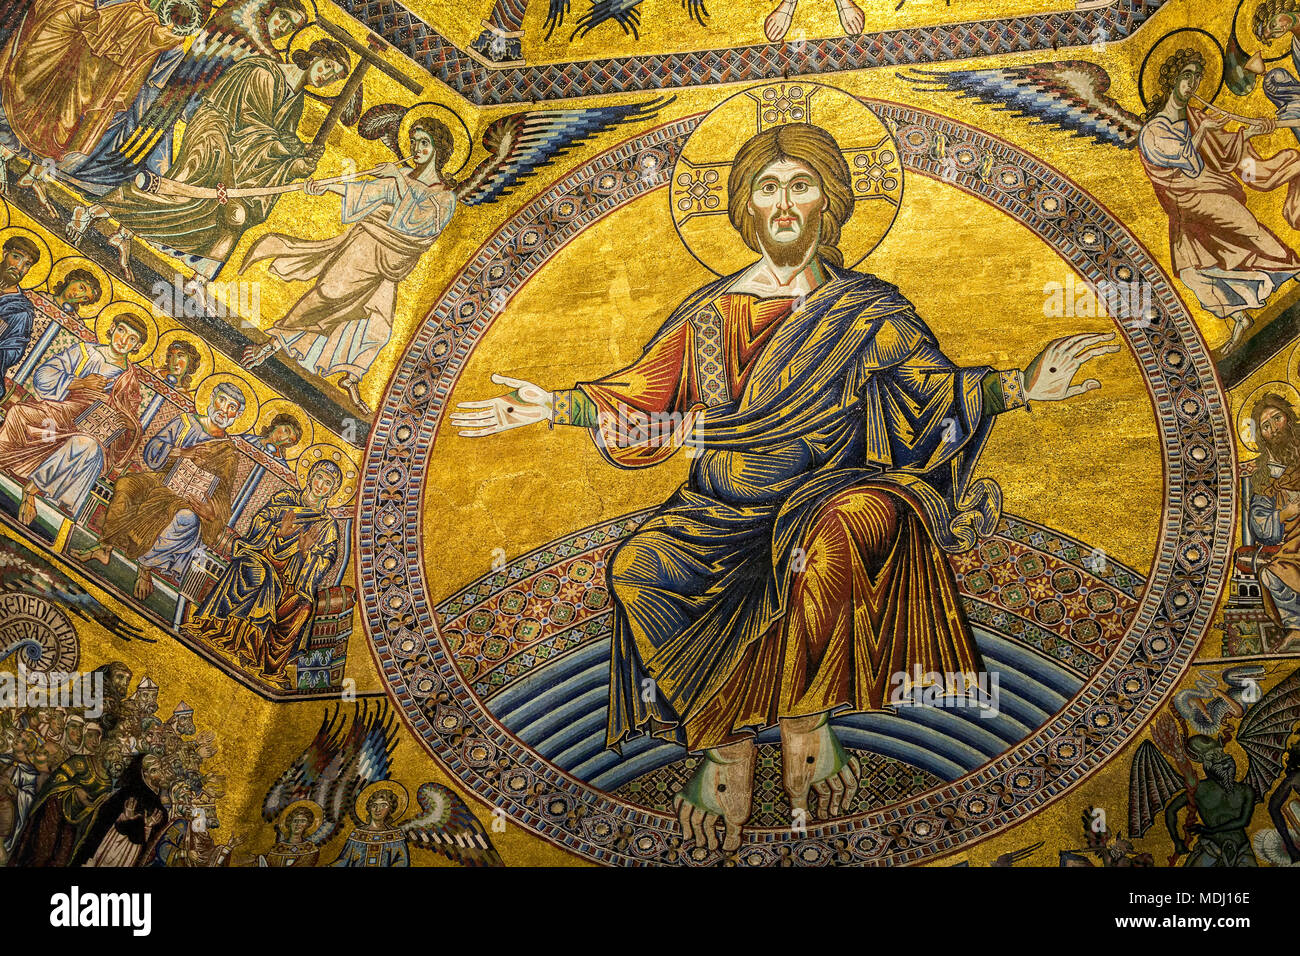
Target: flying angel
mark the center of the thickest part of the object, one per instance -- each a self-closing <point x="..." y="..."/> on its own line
<point x="140" y="139"/>
<point x="1221" y="252"/>
<point x="340" y="324"/>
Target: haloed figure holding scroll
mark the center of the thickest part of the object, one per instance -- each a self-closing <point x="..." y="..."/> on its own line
<point x="830" y="426"/>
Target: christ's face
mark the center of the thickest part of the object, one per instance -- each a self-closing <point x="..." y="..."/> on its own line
<point x="786" y="201"/>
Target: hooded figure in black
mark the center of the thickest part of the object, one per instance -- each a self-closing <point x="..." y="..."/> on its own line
<point x="127" y="824"/>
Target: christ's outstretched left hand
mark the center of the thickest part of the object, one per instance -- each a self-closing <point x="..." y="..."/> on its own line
<point x="1048" y="377"/>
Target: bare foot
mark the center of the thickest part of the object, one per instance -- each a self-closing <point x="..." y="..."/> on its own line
<point x="27" y="508"/>
<point x="778" y="21"/>
<point x="121" y="240"/>
<point x="143" y="584"/>
<point x="722" y="790"/>
<point x="1290" y="641"/>
<point x="349" y="385"/>
<point x="98" y="553"/>
<point x="851" y="17"/>
<point x="1241" y="322"/>
<point x="812" y="759"/>
<point x="252" y="357"/>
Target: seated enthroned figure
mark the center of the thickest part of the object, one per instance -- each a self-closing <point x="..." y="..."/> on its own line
<point x="261" y="608"/>
<point x="804" y="562"/>
<point x="159" y="518"/>
<point x="83" y="420"/>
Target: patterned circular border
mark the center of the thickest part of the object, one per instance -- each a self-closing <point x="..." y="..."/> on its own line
<point x="1183" y="586"/>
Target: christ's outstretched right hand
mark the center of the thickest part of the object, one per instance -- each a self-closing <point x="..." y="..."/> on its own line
<point x="525" y="404"/>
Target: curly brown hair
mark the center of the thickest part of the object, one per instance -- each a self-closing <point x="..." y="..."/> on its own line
<point x="1170" y="70"/>
<point x="1269" y="9"/>
<point x="443" y="144"/>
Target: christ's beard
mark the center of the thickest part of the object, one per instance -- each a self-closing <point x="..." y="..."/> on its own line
<point x="786" y="254"/>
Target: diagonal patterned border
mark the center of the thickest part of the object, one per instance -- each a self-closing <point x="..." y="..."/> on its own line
<point x="1187" y="576"/>
<point x="466" y="73"/>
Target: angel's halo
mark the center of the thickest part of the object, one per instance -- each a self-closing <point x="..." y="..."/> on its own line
<point x="1194" y="38"/>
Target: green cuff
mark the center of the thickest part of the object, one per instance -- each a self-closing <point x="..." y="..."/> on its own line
<point x="1003" y="392"/>
<point x="572" y="406"/>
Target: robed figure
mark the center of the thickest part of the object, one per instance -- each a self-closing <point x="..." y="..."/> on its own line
<point x="82" y="422"/>
<point x="803" y="562"/>
<point x="261" y="608"/>
<point x="1227" y="257"/>
<point x="243" y="135"/>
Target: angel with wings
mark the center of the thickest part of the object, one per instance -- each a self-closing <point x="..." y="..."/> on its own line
<point x="1230" y="261"/>
<point x="341" y="762"/>
<point x="340" y="324"/>
<point x="445" y="826"/>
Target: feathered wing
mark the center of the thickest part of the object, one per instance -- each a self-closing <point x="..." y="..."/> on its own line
<point x="520" y="143"/>
<point x="447" y="826"/>
<point x="1069" y="94"/>
<point x="556" y="11"/>
<point x="1152" y="783"/>
<point x="626" y="13"/>
<point x="341" y="760"/>
<point x="1264" y="731"/>
<point x="21" y="569"/>
<point x="232" y="34"/>
<point x="382" y="122"/>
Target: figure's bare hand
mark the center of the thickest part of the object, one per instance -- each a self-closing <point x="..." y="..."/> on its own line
<point x="1048" y="377"/>
<point x="94" y="382"/>
<point x="1261" y="127"/>
<point x="525" y="404"/>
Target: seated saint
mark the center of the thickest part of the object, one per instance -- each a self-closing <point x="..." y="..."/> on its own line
<point x="83" y="421"/>
<point x="159" y="518"/>
<point x="261" y="609"/>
